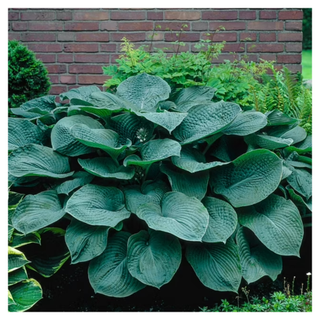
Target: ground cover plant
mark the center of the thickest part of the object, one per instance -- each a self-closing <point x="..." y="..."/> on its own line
<point x="144" y="175"/>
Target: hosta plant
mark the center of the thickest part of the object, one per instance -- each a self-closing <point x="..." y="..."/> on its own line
<point x="142" y="177"/>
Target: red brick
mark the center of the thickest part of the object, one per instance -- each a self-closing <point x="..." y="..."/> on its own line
<point x="56" y="68"/>
<point x="108" y="26"/>
<point x="108" y="47"/>
<point x="51" y="58"/>
<point x="169" y="47"/>
<point x="113" y="58"/>
<point x="234" y="47"/>
<point x="296" y="36"/>
<point x="247" y="15"/>
<point x="227" y="25"/>
<point x="295" y="68"/>
<point x="219" y="15"/>
<point x="154" y="36"/>
<point x="174" y="26"/>
<point x="33" y="37"/>
<point x="154" y="15"/>
<point x="128" y="15"/>
<point x="19" y="26"/>
<point x="265" y="25"/>
<point x="92" y="37"/>
<point x="66" y="36"/>
<point x="267" y="37"/>
<point x="55" y="90"/>
<point x="248" y="36"/>
<point x="293" y="26"/>
<point x="224" y="56"/>
<point x="268" y="57"/>
<point x="66" y="79"/>
<point x="250" y="57"/>
<point x="92" y="79"/>
<point x="264" y="14"/>
<point x="289" y="58"/>
<point x="90" y="15"/>
<point x="221" y="36"/>
<point x="293" y="47"/>
<point x="266" y="47"/>
<point x="46" y="26"/>
<point x="182" y="15"/>
<point x="79" y="47"/>
<point x="38" y="16"/>
<point x="13" y="16"/>
<point x="91" y="58"/>
<point x="65" y="57"/>
<point x="130" y="36"/>
<point x="45" y="47"/>
<point x="81" y="26"/>
<point x="82" y="68"/>
<point x="64" y="15"/>
<point x="187" y="37"/>
<point x="14" y="36"/>
<point x="54" y="78"/>
<point x="135" y="26"/>
<point x="291" y="15"/>
<point x="199" y="26"/>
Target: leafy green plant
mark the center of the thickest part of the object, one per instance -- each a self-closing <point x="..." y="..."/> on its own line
<point x="144" y="176"/>
<point x="27" y="76"/>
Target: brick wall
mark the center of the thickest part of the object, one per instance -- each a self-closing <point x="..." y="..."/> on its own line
<point x="75" y="43"/>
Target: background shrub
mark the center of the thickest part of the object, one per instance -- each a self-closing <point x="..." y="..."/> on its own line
<point x="307" y="28"/>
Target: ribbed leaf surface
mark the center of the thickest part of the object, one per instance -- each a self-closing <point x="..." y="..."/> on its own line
<point x="79" y="179"/>
<point x="278" y="118"/>
<point x="267" y="142"/>
<point x="17" y="276"/>
<point x="82" y="93"/>
<point x="301" y="181"/>
<point x="16" y="259"/>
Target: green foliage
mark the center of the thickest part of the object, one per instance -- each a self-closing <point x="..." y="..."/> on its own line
<point x="307" y="28"/>
<point x="142" y="177"/>
<point x="27" y="76"/>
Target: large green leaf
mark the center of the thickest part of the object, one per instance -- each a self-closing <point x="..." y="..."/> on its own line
<point x="82" y="93"/>
<point x="278" y="118"/>
<point x="256" y="260"/>
<point x="17" y="275"/>
<point x="193" y="160"/>
<point x="36" y="160"/>
<point x="216" y="265"/>
<point x="79" y="179"/>
<point x="153" y="151"/>
<point x="301" y="181"/>
<point x="108" y="273"/>
<point x="63" y="140"/>
<point x="297" y="133"/>
<point x="16" y="259"/>
<point x="149" y="192"/>
<point x="191" y="184"/>
<point x="19" y="240"/>
<point x="22" y="132"/>
<point x="144" y="91"/>
<point x="246" y="123"/>
<point x="223" y="220"/>
<point x="298" y="200"/>
<point x="178" y="214"/>
<point x="277" y="224"/>
<point x="267" y="142"/>
<point x="98" y="205"/>
<point x="105" y="139"/>
<point x="206" y="119"/>
<point x="85" y="242"/>
<point x="249" y="179"/>
<point x="25" y="294"/>
<point x="106" y="168"/>
<point x="37" y="211"/>
<point x="153" y="257"/>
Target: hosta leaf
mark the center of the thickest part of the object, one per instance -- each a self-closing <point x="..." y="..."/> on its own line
<point x="144" y="91"/>
<point x="301" y="181"/>
<point x="298" y="200"/>
<point x="149" y="192"/>
<point x="104" y="139"/>
<point x="222" y="220"/>
<point x="82" y="93"/>
<point x="297" y="133"/>
<point x="106" y="168"/>
<point x="39" y="106"/>
<point x="85" y="242"/>
<point x="206" y="119"/>
<point x="193" y="160"/>
<point x="79" y="179"/>
<point x="249" y="179"/>
<point x="302" y="147"/>
<point x="36" y="160"/>
<point x="277" y="224"/>
<point x="278" y="118"/>
<point x="191" y="184"/>
<point x="196" y="93"/>
<point x="256" y="260"/>
<point x="246" y="123"/>
<point x="10" y="299"/>
<point x="25" y="294"/>
<point x="17" y="276"/>
<point x="216" y="265"/>
<point x="178" y="214"/>
<point x="16" y="259"/>
<point x="98" y="205"/>
<point x="14" y="198"/>
<point x="153" y="151"/>
<point x="22" y="132"/>
<point x="108" y="273"/>
<point x="267" y="142"/>
<point x="19" y="240"/>
<point x="153" y="257"/>
<point x="48" y="262"/>
<point x="37" y="211"/>
<point x="64" y="142"/>
<point x="165" y="119"/>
